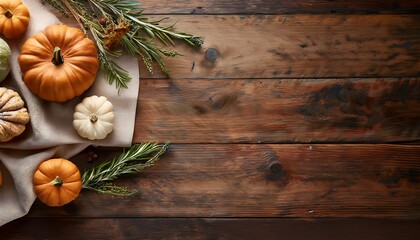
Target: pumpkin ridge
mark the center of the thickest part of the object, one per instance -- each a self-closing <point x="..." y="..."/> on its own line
<point x="74" y="37"/>
<point x="73" y="183"/>
<point x="75" y="84"/>
<point x="29" y="58"/>
<point x="99" y="128"/>
<point x="78" y="45"/>
<point x="35" y="69"/>
<point x="31" y="61"/>
<point x="13" y="103"/>
<point x="7" y="24"/>
<point x="30" y="82"/>
<point x="41" y="41"/>
<point x="79" y="61"/>
<point x="89" y="104"/>
<point x="70" y="191"/>
<point x="70" y="180"/>
<point x="45" y="171"/>
<point x="21" y="10"/>
<point x="14" y="4"/>
<point x="104" y="108"/>
<point x="72" y="186"/>
<point x="12" y="129"/>
<point x="73" y="176"/>
<point x="51" y="36"/>
<point x="53" y="197"/>
<point x="82" y="128"/>
<point x="80" y="116"/>
<point x="100" y="101"/>
<point x="1" y="25"/>
<point x="3" y="133"/>
<point x="106" y="124"/>
<point x="42" y="190"/>
<point x="53" y="167"/>
<point x="4" y="99"/>
<point x="22" y="19"/>
<point x="20" y="116"/>
<point x="66" y="171"/>
<point x="42" y="177"/>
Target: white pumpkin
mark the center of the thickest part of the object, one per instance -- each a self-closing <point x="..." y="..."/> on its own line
<point x="94" y="118"/>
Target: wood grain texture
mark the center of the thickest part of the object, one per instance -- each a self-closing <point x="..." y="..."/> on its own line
<point x="297" y="46"/>
<point x="278" y="111"/>
<point x="279" y="7"/>
<point x="199" y="228"/>
<point x="254" y="81"/>
<point x="251" y="180"/>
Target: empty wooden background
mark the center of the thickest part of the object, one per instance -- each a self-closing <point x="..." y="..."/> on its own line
<point x="296" y="120"/>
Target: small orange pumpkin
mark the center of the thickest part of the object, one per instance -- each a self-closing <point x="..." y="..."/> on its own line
<point x="57" y="182"/>
<point x="14" y="18"/>
<point x="59" y="63"/>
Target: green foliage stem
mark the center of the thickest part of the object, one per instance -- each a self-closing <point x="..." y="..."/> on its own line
<point x="138" y="157"/>
<point x="102" y="18"/>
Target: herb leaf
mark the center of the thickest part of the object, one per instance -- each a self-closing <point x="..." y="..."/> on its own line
<point x="138" y="157"/>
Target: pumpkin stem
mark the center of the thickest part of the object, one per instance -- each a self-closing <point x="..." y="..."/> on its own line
<point x="57" y="182"/>
<point x="93" y="118"/>
<point x="8" y="13"/>
<point x="57" y="58"/>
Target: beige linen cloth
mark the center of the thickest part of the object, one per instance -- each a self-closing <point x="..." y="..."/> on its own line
<point x="50" y="132"/>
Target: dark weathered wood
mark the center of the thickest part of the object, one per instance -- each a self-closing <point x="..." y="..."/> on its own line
<point x="279" y="7"/>
<point x="235" y="180"/>
<point x="199" y="228"/>
<point x="283" y="182"/>
<point x="298" y="46"/>
<point x="270" y="110"/>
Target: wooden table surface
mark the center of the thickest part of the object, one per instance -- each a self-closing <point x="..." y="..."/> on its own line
<point x="297" y="119"/>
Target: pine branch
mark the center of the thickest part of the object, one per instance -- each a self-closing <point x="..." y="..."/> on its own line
<point x="57" y="5"/>
<point x="117" y="26"/>
<point x="135" y="159"/>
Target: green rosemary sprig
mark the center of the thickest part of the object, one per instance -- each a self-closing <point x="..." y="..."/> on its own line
<point x="119" y="25"/>
<point x="138" y="157"/>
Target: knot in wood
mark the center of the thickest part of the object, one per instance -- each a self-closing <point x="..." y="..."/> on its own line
<point x="211" y="54"/>
<point x="275" y="170"/>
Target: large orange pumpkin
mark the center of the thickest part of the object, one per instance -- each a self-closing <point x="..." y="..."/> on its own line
<point x="57" y="182"/>
<point x="14" y="18"/>
<point x="59" y="63"/>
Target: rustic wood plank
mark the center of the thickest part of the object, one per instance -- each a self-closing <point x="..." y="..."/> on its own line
<point x="279" y="7"/>
<point x="251" y="180"/>
<point x="199" y="228"/>
<point x="298" y="46"/>
<point x="278" y="110"/>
